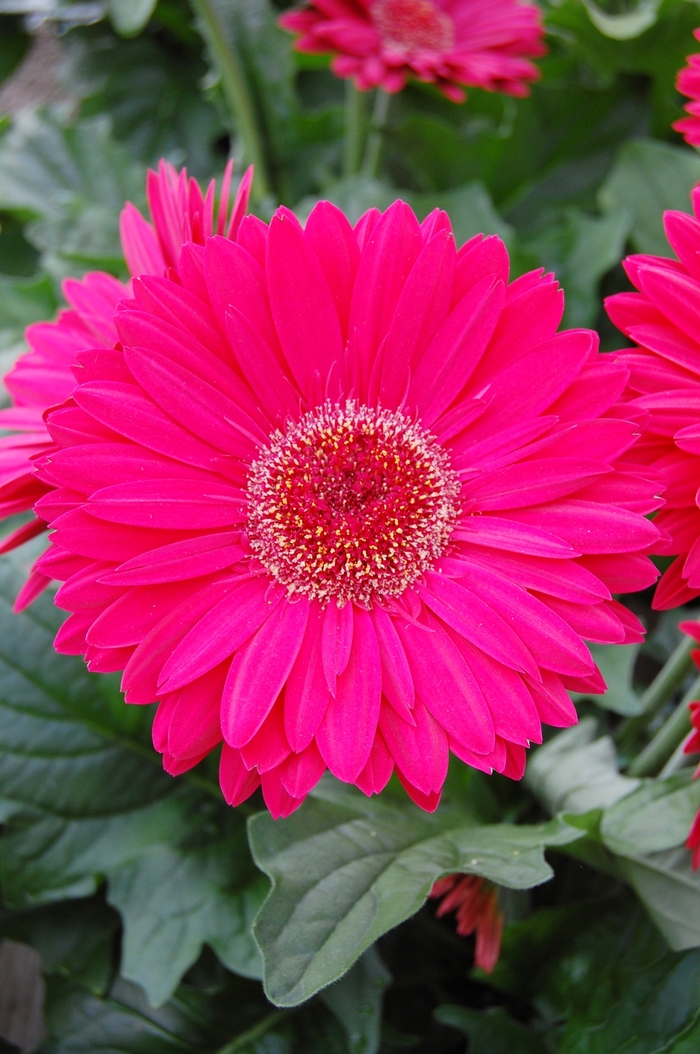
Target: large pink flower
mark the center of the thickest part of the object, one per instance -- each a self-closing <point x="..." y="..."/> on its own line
<point x="480" y="43"/>
<point x="346" y="500"/>
<point x="45" y="375"/>
<point x="663" y="319"/>
<point x="688" y="83"/>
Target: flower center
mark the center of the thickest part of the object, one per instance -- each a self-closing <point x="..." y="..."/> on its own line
<point x="413" y="25"/>
<point x="351" y="503"/>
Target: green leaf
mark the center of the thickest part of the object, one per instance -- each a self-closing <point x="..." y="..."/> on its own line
<point x="356" y="1000"/>
<point x="174" y="899"/>
<point x="649" y="177"/>
<point x="658" y="816"/>
<point x="75" y="938"/>
<point x="88" y="800"/>
<point x="73" y="180"/>
<point x="22" y="301"/>
<point x="628" y="25"/>
<point x="616" y="663"/>
<point x="130" y="16"/>
<point x="123" y="1022"/>
<point x="492" y="1031"/>
<point x="154" y="100"/>
<point x="346" y="869"/>
<point x="575" y="772"/>
<point x="670" y="889"/>
<point x="470" y="209"/>
<point x="580" y="249"/>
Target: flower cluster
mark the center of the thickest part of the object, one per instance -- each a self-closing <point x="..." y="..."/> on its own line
<point x="351" y="514"/>
<point x="46" y="375"/>
<point x="476" y="903"/>
<point x="480" y="43"/>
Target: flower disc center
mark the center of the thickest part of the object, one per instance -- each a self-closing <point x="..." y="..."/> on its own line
<point x="352" y="503"/>
<point x="413" y="25"/>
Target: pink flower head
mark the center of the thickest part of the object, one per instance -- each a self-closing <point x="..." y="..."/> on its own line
<point x="480" y="43"/>
<point x="663" y="319"/>
<point x="46" y="375"/>
<point x="476" y="902"/>
<point x="688" y="83"/>
<point x="346" y="500"/>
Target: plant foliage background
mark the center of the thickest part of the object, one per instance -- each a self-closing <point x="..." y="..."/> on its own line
<point x="144" y="894"/>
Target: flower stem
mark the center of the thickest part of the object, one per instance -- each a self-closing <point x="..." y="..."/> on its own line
<point x="246" y="1040"/>
<point x="236" y="92"/>
<point x="375" y="139"/>
<point x="659" y="691"/>
<point x="673" y="732"/>
<point x="354" y="129"/>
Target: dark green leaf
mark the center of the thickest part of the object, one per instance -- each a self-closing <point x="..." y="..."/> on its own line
<point x="648" y="178"/>
<point x="658" y="816"/>
<point x="346" y="869"/>
<point x="575" y="772"/>
<point x="87" y="800"/>
<point x="73" y="180"/>
<point x="670" y="889"/>
<point x="356" y="1000"/>
<point x="492" y="1031"/>
<point x="130" y="16"/>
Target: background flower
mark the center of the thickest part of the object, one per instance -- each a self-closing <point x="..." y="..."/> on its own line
<point x="46" y="374"/>
<point x="663" y="319"/>
<point x="688" y="83"/>
<point x="353" y="513"/>
<point x="481" y="43"/>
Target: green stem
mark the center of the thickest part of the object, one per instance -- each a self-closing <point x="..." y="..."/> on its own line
<point x="662" y="746"/>
<point x="236" y="92"/>
<point x="375" y="139"/>
<point x="659" y="691"/>
<point x="354" y="130"/>
<point x="246" y="1039"/>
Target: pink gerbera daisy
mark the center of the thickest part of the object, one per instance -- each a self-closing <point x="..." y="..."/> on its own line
<point x="45" y="375"/>
<point x="688" y="83"/>
<point x="346" y="500"/>
<point x="480" y="43"/>
<point x="663" y="319"/>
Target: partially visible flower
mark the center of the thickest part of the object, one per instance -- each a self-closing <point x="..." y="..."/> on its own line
<point x="688" y="83"/>
<point x="476" y="902"/>
<point x="46" y="375"/>
<point x="347" y="500"/>
<point x="479" y="43"/>
<point x="692" y="745"/>
<point x="663" y="319"/>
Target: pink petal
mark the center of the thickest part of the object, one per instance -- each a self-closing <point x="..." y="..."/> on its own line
<point x="237" y="783"/>
<point x="420" y="750"/>
<point x="220" y="632"/>
<point x="306" y="695"/>
<point x="446" y="684"/>
<point x="336" y="641"/>
<point x="301" y="772"/>
<point x="181" y="560"/>
<point x="346" y="734"/>
<point x="259" y="671"/>
<point x="269" y="747"/>
<point x="302" y="305"/>
<point x="330" y="235"/>
<point x="377" y="772"/>
<point x="397" y="682"/>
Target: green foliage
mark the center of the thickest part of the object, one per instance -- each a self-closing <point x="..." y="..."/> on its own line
<point x="345" y="870"/>
<point x="84" y="801"/>
<point x="70" y="181"/>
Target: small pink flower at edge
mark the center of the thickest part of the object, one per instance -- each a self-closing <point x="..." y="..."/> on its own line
<point x="688" y="83"/>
